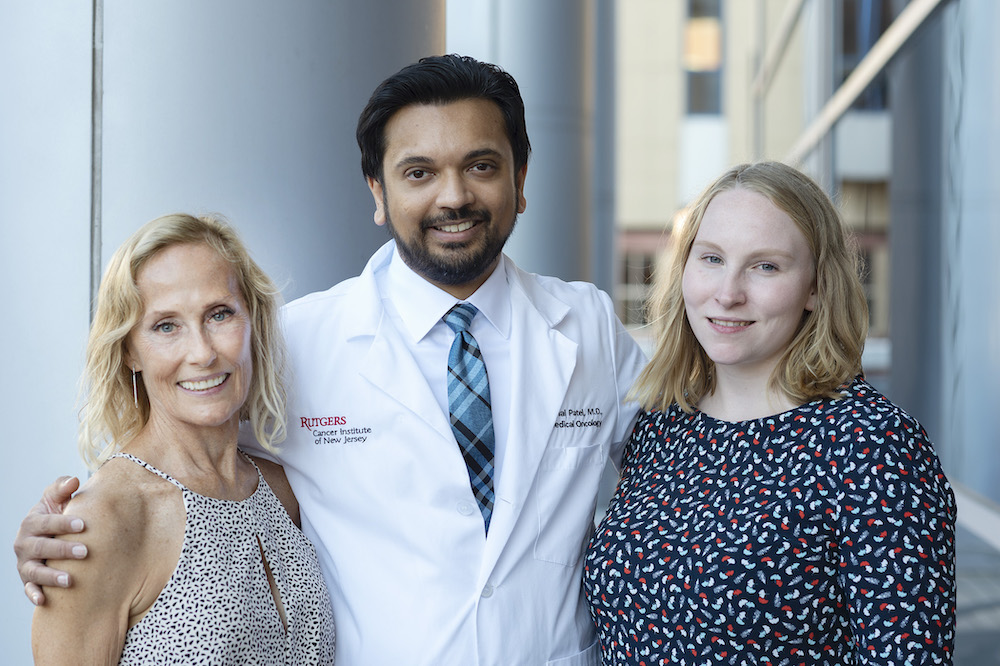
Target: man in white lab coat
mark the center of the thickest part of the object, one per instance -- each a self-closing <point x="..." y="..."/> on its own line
<point x="417" y="575"/>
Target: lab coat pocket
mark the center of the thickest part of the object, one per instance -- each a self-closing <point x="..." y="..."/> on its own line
<point x="566" y="494"/>
<point x="589" y="657"/>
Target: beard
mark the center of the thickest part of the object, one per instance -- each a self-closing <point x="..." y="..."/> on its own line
<point x="456" y="263"/>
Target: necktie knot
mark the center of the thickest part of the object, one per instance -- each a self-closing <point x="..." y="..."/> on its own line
<point x="459" y="318"/>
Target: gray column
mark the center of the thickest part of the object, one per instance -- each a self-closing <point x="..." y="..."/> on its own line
<point x="248" y="108"/>
<point x="970" y="242"/>
<point x="603" y="262"/>
<point x="817" y="17"/>
<point x="914" y="242"/>
<point x="549" y="48"/>
<point x="45" y="53"/>
<point x="243" y="108"/>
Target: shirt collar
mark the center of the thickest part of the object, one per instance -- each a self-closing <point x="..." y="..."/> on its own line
<point x="421" y="305"/>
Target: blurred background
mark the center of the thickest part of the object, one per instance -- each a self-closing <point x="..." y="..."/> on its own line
<point x="115" y="112"/>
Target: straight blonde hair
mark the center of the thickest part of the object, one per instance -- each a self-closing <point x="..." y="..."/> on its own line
<point x="826" y="351"/>
<point x="109" y="417"/>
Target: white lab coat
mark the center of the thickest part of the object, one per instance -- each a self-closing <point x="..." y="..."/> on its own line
<point x="385" y="494"/>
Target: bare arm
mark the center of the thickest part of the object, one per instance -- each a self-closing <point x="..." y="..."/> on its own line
<point x="135" y="530"/>
<point x="87" y="623"/>
<point x="33" y="544"/>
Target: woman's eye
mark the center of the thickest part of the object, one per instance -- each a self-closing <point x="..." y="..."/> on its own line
<point x="712" y="259"/>
<point x="768" y="268"/>
<point x="222" y="315"/>
<point x="165" y="327"/>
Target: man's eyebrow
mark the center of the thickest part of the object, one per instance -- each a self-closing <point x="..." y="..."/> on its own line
<point x="482" y="152"/>
<point x="411" y="160"/>
<point x="414" y="159"/>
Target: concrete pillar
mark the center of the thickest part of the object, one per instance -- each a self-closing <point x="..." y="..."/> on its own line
<point x="970" y="242"/>
<point x="603" y="262"/>
<point x="914" y="242"/>
<point x="550" y="48"/>
<point x="817" y="17"/>
<point x="245" y="108"/>
<point x="249" y="109"/>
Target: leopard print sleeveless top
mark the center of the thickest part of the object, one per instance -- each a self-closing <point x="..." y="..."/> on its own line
<point x="217" y="608"/>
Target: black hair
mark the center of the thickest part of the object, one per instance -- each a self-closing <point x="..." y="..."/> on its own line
<point x="440" y="80"/>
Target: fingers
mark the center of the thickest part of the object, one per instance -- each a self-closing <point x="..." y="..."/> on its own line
<point x="33" y="543"/>
<point x="42" y="575"/>
<point x="45" y="519"/>
<point x="58" y="493"/>
<point x="34" y="594"/>
<point x="31" y="555"/>
<point x="30" y="546"/>
<point x="36" y="575"/>
<point x="37" y="524"/>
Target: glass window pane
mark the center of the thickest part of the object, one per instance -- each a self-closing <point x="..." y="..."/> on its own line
<point x="704" y="92"/>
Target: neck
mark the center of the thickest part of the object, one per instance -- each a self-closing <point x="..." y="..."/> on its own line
<point x="204" y="459"/>
<point x="738" y="398"/>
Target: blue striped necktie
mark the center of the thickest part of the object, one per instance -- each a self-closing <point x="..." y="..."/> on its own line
<point x="469" y="406"/>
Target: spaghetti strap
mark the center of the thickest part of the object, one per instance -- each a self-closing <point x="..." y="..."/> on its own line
<point x="249" y="459"/>
<point x="219" y="606"/>
<point x="143" y="463"/>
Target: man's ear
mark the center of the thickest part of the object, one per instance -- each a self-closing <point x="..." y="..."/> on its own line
<point x="379" y="196"/>
<point x="519" y="183"/>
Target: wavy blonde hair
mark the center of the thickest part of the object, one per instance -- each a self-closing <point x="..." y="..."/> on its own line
<point x="825" y="352"/>
<point x="109" y="417"/>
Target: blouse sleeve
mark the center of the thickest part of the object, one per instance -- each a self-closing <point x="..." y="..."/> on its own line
<point x="896" y="544"/>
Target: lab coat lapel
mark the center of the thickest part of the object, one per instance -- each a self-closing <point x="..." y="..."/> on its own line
<point x="391" y="369"/>
<point x="388" y="365"/>
<point x="542" y="363"/>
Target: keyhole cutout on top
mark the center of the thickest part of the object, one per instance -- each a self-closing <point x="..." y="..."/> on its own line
<point x="274" y="586"/>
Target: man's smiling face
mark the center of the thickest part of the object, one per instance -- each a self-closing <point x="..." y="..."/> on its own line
<point x="449" y="192"/>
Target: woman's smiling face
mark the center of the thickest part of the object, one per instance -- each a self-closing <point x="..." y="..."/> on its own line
<point x="748" y="281"/>
<point x="192" y="344"/>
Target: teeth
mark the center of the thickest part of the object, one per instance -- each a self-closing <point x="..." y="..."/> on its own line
<point x="455" y="228"/>
<point x="730" y="324"/>
<point x="205" y="384"/>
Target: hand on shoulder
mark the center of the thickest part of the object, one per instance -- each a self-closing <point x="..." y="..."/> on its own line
<point x="134" y="532"/>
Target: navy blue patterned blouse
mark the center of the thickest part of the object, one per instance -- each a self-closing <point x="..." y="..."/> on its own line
<point x="822" y="535"/>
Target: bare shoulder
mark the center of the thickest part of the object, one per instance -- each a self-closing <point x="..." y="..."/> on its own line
<point x="126" y="493"/>
<point x="112" y="505"/>
<point x="134" y="533"/>
<point x="124" y="506"/>
<point x="274" y="474"/>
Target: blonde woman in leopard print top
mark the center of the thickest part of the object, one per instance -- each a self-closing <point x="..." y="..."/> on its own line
<point x="194" y="556"/>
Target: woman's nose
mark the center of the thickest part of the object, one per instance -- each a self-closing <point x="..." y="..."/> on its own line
<point x="731" y="290"/>
<point x="201" y="349"/>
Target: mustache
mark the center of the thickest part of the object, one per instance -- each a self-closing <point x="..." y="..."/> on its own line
<point x="452" y="216"/>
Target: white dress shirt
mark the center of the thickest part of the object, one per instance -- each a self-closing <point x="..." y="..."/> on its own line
<point x="416" y="307"/>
